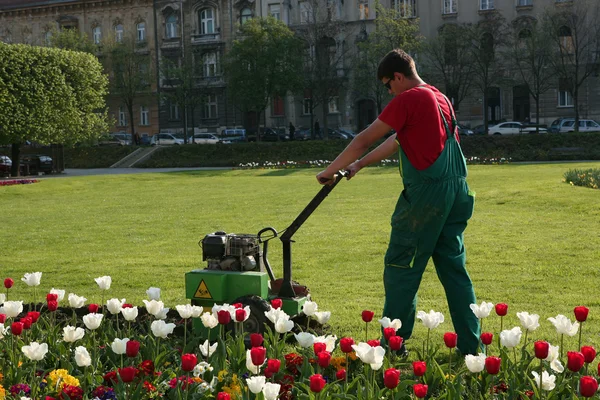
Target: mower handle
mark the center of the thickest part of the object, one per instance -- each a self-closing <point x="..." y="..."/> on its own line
<point x="336" y="177"/>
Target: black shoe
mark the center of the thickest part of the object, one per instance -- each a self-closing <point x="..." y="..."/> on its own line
<point x="403" y="352"/>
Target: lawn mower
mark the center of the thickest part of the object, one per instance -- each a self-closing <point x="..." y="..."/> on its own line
<point x="238" y="271"/>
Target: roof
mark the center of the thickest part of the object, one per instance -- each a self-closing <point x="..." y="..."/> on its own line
<point x="6" y="5"/>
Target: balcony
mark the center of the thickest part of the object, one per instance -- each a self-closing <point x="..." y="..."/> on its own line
<point x="171" y="43"/>
<point x="207" y="38"/>
<point x="202" y="81"/>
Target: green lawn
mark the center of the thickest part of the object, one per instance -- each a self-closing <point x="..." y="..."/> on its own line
<point x="533" y="242"/>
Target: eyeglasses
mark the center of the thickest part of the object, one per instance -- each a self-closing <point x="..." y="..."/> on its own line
<point x="387" y="84"/>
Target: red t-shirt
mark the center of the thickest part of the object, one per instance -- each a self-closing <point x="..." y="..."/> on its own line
<point x="419" y="127"/>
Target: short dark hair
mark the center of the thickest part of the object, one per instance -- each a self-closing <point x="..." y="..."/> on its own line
<point x="396" y="60"/>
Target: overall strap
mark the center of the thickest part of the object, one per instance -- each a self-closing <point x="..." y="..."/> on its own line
<point x="450" y="133"/>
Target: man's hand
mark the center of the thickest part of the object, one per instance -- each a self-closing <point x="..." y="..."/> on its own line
<point x="325" y="178"/>
<point x="353" y="169"/>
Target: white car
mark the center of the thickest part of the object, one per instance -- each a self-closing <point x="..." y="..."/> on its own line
<point x="585" y="125"/>
<point x="205" y="138"/>
<point x="165" y="138"/>
<point x="512" y="128"/>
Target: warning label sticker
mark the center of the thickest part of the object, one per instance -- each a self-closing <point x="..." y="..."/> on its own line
<point x="202" y="292"/>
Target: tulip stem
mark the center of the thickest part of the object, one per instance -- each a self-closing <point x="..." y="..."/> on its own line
<point x="33" y="379"/>
<point x="428" y="332"/>
<point x="580" y="329"/>
<point x="501" y="323"/>
<point x="562" y="339"/>
<point x="366" y="331"/>
<point x="450" y="363"/>
<point x="541" y="372"/>
<point x="184" y="334"/>
<point x="515" y="353"/>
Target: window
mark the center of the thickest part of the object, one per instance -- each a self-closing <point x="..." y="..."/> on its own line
<point x="406" y="8"/>
<point x="97" y="34"/>
<point x="48" y="37"/>
<point x="525" y="3"/>
<point x="144" y="116"/>
<point x="207" y="22"/>
<point x="363" y="11"/>
<point x="174" y="112"/>
<point x="450" y="7"/>
<point x="210" y="64"/>
<point x="171" y="26"/>
<point x="119" y="33"/>
<point x="566" y="40"/>
<point x="274" y="11"/>
<point x="210" y="106"/>
<point x="245" y="15"/>
<point x="565" y="99"/>
<point x="333" y="105"/>
<point x="141" y="32"/>
<point x="305" y="11"/>
<point x="122" y="116"/>
<point x="278" y="108"/>
<point x="307" y="103"/>
<point x="486" y="4"/>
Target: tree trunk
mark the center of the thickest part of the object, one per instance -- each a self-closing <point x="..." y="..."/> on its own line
<point x="15" y="157"/>
<point x="130" y="111"/>
<point x="313" y="134"/>
<point x="485" y="113"/>
<point x="576" y="105"/>
<point x="325" y="110"/>
<point x="537" y="113"/>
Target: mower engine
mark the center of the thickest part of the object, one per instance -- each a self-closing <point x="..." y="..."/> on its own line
<point x="231" y="252"/>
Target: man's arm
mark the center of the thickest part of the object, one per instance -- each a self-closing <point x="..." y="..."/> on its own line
<point x="383" y="151"/>
<point x="357" y="147"/>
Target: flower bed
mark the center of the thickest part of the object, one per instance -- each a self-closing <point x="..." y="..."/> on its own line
<point x="586" y="177"/>
<point x="112" y="351"/>
<point x="10" y="182"/>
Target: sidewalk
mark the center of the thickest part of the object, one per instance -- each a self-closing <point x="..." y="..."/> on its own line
<point x="119" y="171"/>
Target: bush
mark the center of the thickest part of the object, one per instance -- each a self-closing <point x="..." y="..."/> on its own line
<point x="587" y="177"/>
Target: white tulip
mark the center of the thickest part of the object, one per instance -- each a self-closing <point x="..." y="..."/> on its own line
<point x="256" y="383"/>
<point x="92" y="320"/>
<point x="564" y="326"/>
<point x="511" y="337"/>
<point x="196" y="311"/>
<point x="76" y="301"/>
<point x="12" y="308"/>
<point x="483" y="310"/>
<point x="2" y="298"/>
<point x="201" y="368"/>
<point x="60" y="293"/>
<point x="154" y="307"/>
<point x="2" y="331"/>
<point x="309" y="308"/>
<point x="209" y="320"/>
<point x="32" y="279"/>
<point x="72" y="334"/>
<point x="161" y="329"/>
<point x="114" y="305"/>
<point x="529" y="322"/>
<point x="207" y="349"/>
<point x="119" y="346"/>
<point x="162" y="314"/>
<point x="323" y="316"/>
<point x="130" y="314"/>
<point x="548" y="381"/>
<point x="305" y="339"/>
<point x="104" y="282"/>
<point x="185" y="310"/>
<point x="475" y="364"/>
<point x="153" y="293"/>
<point x="432" y="319"/>
<point x="284" y="325"/>
<point x="35" y="351"/>
<point x="271" y="390"/>
<point x="82" y="357"/>
<point x="552" y="358"/>
<point x="276" y="313"/>
<point x="329" y="341"/>
<point x="255" y="369"/>
<point x="370" y="355"/>
<point x="387" y="323"/>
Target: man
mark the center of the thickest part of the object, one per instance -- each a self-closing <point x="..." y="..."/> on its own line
<point x="318" y="129"/>
<point x="436" y="203"/>
<point x="292" y="130"/>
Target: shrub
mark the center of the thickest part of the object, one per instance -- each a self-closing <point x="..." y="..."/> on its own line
<point x="583" y="177"/>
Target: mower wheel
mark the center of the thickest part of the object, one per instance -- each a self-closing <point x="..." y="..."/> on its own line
<point x="257" y="320"/>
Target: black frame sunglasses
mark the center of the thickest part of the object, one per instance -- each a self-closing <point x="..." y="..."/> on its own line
<point x="387" y="84"/>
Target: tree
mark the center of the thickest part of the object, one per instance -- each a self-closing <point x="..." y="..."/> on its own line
<point x="575" y="32"/>
<point x="263" y="63"/>
<point x="530" y="51"/>
<point x="131" y="74"/>
<point x="71" y="39"/>
<point x="448" y="61"/>
<point x="49" y="96"/>
<point x="391" y="32"/>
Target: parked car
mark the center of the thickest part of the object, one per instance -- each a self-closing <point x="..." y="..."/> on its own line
<point x="585" y="125"/>
<point x="165" y="138"/>
<point x="233" y="135"/>
<point x="109" y="140"/>
<point x="36" y="164"/>
<point x="5" y="165"/>
<point x="512" y="128"/>
<point x="463" y="130"/>
<point x="479" y="130"/>
<point x="302" y="133"/>
<point x="206" y="138"/>
<point x="123" y="137"/>
<point x="268" y="135"/>
<point x="335" y="134"/>
<point x="349" y="133"/>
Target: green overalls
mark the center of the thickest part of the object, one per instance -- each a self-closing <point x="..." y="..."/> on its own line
<point x="429" y="220"/>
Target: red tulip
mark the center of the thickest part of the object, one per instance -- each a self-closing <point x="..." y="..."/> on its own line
<point x="224" y="317"/>
<point x="273" y="365"/>
<point x="395" y="343"/>
<point x="346" y="345"/>
<point x="391" y="378"/>
<point x="486" y="338"/>
<point x="374" y="342"/>
<point x="420" y="390"/>
<point x="367" y="315"/>
<point x="324" y="358"/>
<point x="340" y="375"/>
<point x="188" y="361"/>
<point x="34" y="315"/>
<point x="223" y="396"/>
<point x="256" y="339"/>
<point x="26" y="323"/>
<point x="16" y="328"/>
<point x="237" y="305"/>
<point x="8" y="283"/>
<point x="258" y="355"/>
<point x="317" y="383"/>
<point x="575" y="361"/>
<point x="541" y="349"/>
<point x="589" y="352"/>
<point x="450" y="339"/>
<point x="51" y="297"/>
<point x="132" y="348"/>
<point x="52" y="305"/>
<point x="501" y="309"/>
<point x="276" y="303"/>
<point x="2" y="318"/>
<point x="319" y="347"/>
<point x="127" y="374"/>
<point x="127" y="305"/>
<point x="492" y="365"/>
<point x="419" y="368"/>
<point x="588" y="386"/>
<point x="581" y="313"/>
<point x="389" y="332"/>
<point x="240" y="315"/>
<point x="93" y="308"/>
